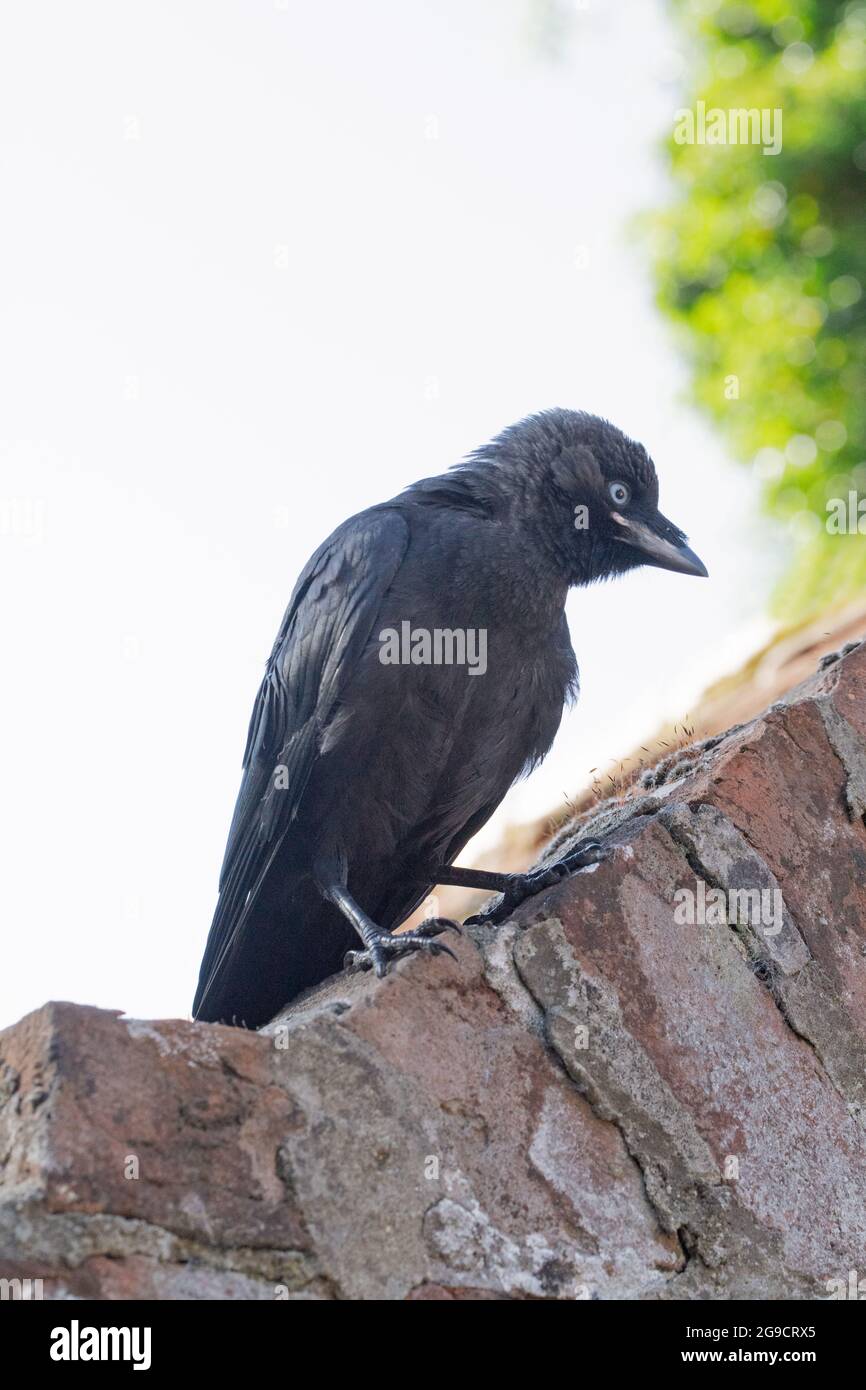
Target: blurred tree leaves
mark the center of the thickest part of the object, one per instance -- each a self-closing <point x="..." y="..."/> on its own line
<point x="761" y="263"/>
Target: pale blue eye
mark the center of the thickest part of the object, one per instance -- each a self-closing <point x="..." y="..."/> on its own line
<point x="619" y="493"/>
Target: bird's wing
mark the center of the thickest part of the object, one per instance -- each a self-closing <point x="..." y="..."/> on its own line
<point x="326" y="626"/>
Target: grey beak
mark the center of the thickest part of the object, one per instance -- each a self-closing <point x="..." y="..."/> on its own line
<point x="657" y="550"/>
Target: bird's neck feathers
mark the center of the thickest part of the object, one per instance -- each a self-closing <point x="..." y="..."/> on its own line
<point x="527" y="495"/>
<point x="530" y="487"/>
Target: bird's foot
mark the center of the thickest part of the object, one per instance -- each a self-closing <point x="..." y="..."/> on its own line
<point x="523" y="886"/>
<point x="381" y="947"/>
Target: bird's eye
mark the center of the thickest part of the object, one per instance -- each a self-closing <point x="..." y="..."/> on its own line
<point x="619" y="493"/>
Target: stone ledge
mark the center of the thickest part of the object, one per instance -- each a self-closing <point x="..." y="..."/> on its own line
<point x="596" y="1101"/>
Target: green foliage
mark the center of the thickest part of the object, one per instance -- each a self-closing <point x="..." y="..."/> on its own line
<point x="761" y="261"/>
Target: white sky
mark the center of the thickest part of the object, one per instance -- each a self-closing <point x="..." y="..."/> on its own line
<point x="261" y="265"/>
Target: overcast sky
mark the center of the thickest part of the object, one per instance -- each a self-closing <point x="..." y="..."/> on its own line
<point x="261" y="265"/>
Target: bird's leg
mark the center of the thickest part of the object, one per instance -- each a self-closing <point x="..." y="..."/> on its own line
<point x="381" y="946"/>
<point x="453" y="876"/>
<point x="516" y="888"/>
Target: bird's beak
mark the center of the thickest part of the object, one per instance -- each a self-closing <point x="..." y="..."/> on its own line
<point x="660" y="544"/>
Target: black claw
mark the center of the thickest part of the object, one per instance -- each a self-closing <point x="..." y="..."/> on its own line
<point x="376" y="955"/>
<point x="433" y="925"/>
<point x="490" y="916"/>
<point x="590" y="852"/>
<point x="438" y="948"/>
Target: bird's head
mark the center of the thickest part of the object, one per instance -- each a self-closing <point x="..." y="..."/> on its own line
<point x="589" y="495"/>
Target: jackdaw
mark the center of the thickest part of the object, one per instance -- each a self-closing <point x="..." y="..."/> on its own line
<point x="421" y="667"/>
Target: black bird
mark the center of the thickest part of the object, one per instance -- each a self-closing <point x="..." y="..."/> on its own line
<point x="378" y="746"/>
